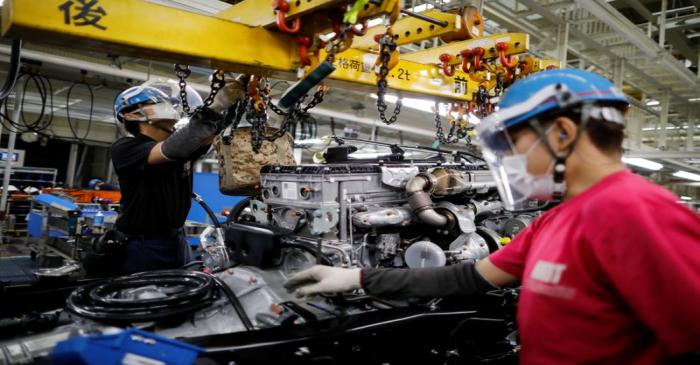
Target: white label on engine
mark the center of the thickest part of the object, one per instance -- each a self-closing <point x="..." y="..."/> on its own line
<point x="133" y="359"/>
<point x="289" y="190"/>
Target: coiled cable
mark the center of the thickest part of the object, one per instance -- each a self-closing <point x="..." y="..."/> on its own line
<point x="92" y="107"/>
<point x="187" y="291"/>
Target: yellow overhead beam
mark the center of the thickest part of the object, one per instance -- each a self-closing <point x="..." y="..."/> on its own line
<point x="355" y="71"/>
<point x="518" y="43"/>
<point x="141" y="29"/>
<point x="259" y="13"/>
<point x="409" y="30"/>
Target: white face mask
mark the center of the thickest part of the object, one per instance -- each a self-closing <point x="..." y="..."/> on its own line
<point x="515" y="184"/>
<point x="529" y="186"/>
<point x="162" y="111"/>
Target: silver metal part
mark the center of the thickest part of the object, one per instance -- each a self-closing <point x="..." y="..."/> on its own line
<point x="420" y="202"/>
<point x="469" y="246"/>
<point x="388" y="245"/>
<point x="324" y="220"/>
<point x="425" y="254"/>
<point x="384" y="217"/>
<point x="486" y="207"/>
<point x="398" y="176"/>
<point x="514" y="225"/>
<point x="214" y="254"/>
<point x="259" y="211"/>
<point x="69" y="268"/>
<point x="370" y="214"/>
<point x="464" y="216"/>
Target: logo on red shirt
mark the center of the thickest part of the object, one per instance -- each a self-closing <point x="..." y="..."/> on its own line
<point x="545" y="277"/>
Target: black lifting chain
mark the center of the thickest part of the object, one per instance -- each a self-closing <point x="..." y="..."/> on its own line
<point x="182" y="72"/>
<point x="455" y="134"/>
<point x="387" y="46"/>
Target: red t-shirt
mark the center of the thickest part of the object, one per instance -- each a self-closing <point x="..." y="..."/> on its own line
<point x="611" y="276"/>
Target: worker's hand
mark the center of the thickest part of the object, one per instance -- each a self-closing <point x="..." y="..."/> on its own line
<point x="227" y="96"/>
<point x="324" y="279"/>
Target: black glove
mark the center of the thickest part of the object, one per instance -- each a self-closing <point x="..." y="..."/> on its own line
<point x="203" y="124"/>
<point x="453" y="280"/>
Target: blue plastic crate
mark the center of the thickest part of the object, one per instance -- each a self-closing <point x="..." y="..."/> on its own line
<point x="131" y="346"/>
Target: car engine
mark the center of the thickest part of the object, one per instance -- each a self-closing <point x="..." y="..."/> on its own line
<point x="377" y="214"/>
<point x="351" y="213"/>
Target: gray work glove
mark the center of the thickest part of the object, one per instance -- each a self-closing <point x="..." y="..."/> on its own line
<point x="203" y="124"/>
<point x="324" y="279"/>
<point x="227" y="96"/>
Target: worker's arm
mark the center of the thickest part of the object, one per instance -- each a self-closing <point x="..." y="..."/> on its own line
<point x="200" y="131"/>
<point x="502" y="268"/>
<point x="182" y="144"/>
<point x="455" y="280"/>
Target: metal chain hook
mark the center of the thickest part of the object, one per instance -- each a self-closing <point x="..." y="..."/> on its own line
<point x="387" y="46"/>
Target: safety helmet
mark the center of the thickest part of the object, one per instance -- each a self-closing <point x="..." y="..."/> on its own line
<point x="548" y="93"/>
<point x="536" y="99"/>
<point x="135" y="97"/>
<point x="92" y="184"/>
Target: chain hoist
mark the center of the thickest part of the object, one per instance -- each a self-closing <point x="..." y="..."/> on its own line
<point x="387" y="45"/>
<point x="182" y="72"/>
<point x="256" y="114"/>
<point x="458" y="130"/>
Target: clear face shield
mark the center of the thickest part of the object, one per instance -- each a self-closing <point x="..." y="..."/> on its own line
<point x="515" y="184"/>
<point x="496" y="144"/>
<point x="171" y="89"/>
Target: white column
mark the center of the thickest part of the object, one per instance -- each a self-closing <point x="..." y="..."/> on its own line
<point x="618" y="72"/>
<point x="635" y="120"/>
<point x="10" y="151"/>
<point x="563" y="42"/>
<point x="662" y="23"/>
<point x="663" y="120"/>
<point x="691" y="131"/>
<point x="72" y="163"/>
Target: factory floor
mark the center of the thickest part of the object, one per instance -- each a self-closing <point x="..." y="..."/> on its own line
<point x="16" y="262"/>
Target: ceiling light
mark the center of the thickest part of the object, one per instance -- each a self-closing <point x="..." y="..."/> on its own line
<point x="652" y="102"/>
<point x="691" y="99"/>
<point x="686" y="197"/>
<point x="687" y="175"/>
<point x="642" y="162"/>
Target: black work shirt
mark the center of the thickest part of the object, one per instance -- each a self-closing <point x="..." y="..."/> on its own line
<point x="155" y="198"/>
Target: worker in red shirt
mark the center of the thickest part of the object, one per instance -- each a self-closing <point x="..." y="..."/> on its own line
<point x="611" y="275"/>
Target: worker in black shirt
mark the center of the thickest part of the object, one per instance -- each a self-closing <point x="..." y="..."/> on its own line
<point x="154" y="167"/>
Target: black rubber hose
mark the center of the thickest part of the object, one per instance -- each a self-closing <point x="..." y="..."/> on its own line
<point x="210" y="213"/>
<point x="237" y="306"/>
<point x="188" y="291"/>
<point x="13" y="72"/>
<point x="309" y="249"/>
<point x="237" y="209"/>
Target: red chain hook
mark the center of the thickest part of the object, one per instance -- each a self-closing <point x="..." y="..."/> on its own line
<point x="477" y="52"/>
<point x="448" y="69"/>
<point x="282" y="7"/>
<point x="507" y="62"/>
<point x="466" y="60"/>
<point x="304" y="43"/>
